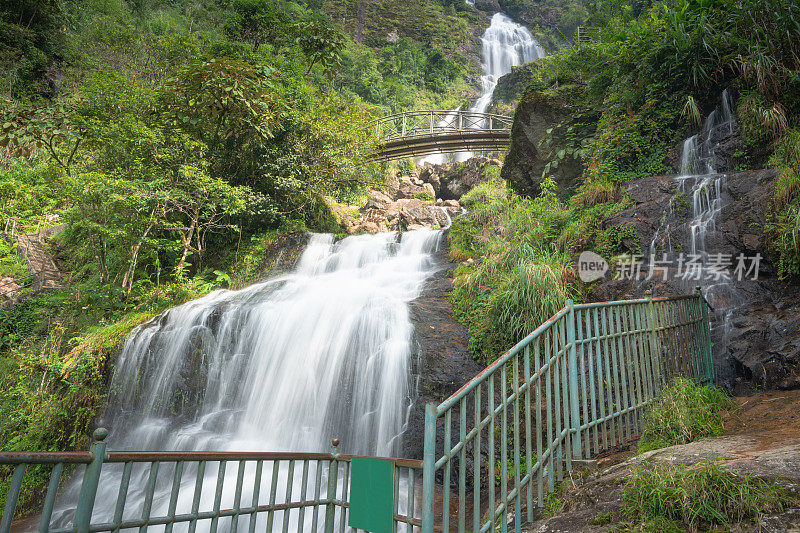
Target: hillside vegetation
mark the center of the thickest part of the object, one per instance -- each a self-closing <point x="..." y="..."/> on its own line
<point x="176" y="140"/>
<point x="628" y="99"/>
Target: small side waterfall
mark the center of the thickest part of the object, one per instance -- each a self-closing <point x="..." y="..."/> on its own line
<point x="698" y="178"/>
<point x="704" y="188"/>
<point x="282" y="365"/>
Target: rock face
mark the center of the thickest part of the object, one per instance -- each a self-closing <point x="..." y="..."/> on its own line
<point x="755" y="323"/>
<point x="442" y="363"/>
<point x="510" y="88"/>
<point x="526" y="159"/>
<point x="451" y="181"/>
<point x="425" y="200"/>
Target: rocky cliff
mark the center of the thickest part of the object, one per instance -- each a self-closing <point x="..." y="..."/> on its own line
<point x="529" y="154"/>
<point x="755" y="322"/>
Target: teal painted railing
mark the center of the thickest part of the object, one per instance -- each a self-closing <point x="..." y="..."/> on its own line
<point x="579" y="384"/>
<point x="576" y="386"/>
<point x="274" y="491"/>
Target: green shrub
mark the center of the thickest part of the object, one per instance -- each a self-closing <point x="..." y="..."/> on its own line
<point x="10" y="264"/>
<point x="669" y="498"/>
<point x="784" y="219"/>
<point x="425" y="196"/>
<point x="518" y="278"/>
<point x="684" y="413"/>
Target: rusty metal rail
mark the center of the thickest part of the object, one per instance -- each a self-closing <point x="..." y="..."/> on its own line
<point x="283" y="491"/>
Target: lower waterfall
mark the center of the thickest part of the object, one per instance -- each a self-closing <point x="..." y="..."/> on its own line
<point x="283" y="365"/>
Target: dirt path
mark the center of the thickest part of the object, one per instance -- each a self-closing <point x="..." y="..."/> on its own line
<point x="762" y="437"/>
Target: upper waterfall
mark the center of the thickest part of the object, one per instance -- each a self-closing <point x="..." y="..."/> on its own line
<point x="504" y="44"/>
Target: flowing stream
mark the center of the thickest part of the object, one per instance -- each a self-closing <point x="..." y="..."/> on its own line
<point x="282" y="365"/>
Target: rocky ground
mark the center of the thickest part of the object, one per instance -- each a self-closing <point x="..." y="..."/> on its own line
<point x="762" y="438"/>
<point x="428" y="198"/>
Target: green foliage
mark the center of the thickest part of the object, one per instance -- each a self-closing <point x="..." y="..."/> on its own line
<point x="684" y="413"/>
<point x="11" y="265"/>
<point x="677" y="498"/>
<point x="656" y="69"/>
<point x="31" y="36"/>
<point x="517" y="278"/>
<point x="425" y="196"/>
<point x="784" y="221"/>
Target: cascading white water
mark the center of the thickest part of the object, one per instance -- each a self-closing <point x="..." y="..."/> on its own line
<point x="698" y="172"/>
<point x="449" y="121"/>
<point x="282" y="365"/>
<point x="504" y="44"/>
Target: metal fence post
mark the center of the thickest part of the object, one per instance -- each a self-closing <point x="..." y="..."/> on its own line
<point x="91" y="480"/>
<point x="655" y="345"/>
<point x="428" y="466"/>
<point x="333" y="475"/>
<point x="706" y="342"/>
<point x="574" y="396"/>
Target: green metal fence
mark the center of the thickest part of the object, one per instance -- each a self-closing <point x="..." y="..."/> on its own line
<point x="577" y="385"/>
<point x="264" y="491"/>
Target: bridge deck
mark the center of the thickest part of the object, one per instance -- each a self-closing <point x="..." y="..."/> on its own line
<point x="420" y="133"/>
<point x="463" y="141"/>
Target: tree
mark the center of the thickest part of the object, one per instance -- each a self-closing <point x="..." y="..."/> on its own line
<point x="321" y="43"/>
<point x="55" y="128"/>
<point x="206" y="204"/>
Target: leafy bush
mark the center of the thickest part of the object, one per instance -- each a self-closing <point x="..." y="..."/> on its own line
<point x="676" y="498"/>
<point x="425" y="196"/>
<point x="684" y="413"/>
<point x="784" y="220"/>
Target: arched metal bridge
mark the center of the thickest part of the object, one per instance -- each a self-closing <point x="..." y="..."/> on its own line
<point x="420" y="133"/>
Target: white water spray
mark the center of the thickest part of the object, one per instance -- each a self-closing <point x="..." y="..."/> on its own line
<point x="504" y="44"/>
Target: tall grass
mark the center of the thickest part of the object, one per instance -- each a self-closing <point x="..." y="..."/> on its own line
<point x="676" y="498"/>
<point x="684" y="413"/>
<point x="784" y="221"/>
<point x="516" y="278"/>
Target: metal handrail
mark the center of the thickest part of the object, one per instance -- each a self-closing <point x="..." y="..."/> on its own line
<point x="592" y="369"/>
<point x="323" y="486"/>
<point x="439" y="122"/>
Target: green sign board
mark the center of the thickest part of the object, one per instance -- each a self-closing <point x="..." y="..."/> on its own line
<point x="371" y="494"/>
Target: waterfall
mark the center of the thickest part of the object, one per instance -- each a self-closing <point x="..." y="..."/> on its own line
<point x="705" y="189"/>
<point x="504" y="44"/>
<point x="698" y="177"/>
<point x="282" y="365"/>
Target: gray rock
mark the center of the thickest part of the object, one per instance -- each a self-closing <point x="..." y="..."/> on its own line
<point x="527" y="156"/>
<point x="756" y="328"/>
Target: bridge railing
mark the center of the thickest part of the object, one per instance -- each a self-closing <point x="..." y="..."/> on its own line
<point x="577" y="385"/>
<point x="438" y="122"/>
<point x="229" y="491"/>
